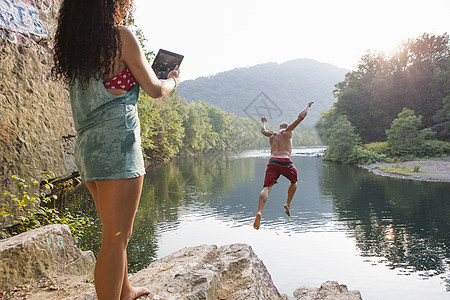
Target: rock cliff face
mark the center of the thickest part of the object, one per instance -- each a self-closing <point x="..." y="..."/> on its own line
<point x="36" y="130"/>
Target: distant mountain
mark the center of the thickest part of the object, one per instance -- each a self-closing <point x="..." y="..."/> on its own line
<point x="279" y="90"/>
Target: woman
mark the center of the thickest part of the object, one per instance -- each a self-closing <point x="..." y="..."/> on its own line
<point x="104" y="66"/>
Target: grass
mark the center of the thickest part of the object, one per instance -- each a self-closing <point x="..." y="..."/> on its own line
<point x="399" y="170"/>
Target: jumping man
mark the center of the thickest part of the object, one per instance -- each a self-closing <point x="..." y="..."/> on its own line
<point x="280" y="162"/>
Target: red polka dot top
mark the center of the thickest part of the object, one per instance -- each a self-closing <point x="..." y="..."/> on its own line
<point x="123" y="81"/>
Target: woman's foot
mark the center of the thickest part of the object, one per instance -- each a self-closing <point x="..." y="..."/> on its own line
<point x="134" y="293"/>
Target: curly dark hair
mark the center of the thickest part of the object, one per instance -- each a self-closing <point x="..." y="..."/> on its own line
<point x="87" y="38"/>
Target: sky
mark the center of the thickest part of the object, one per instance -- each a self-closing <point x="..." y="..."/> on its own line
<point x="216" y="36"/>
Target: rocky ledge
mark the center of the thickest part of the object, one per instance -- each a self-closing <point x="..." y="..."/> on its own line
<point x="45" y="264"/>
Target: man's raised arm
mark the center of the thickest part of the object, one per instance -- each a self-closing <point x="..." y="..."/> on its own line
<point x="300" y="117"/>
<point x="263" y="127"/>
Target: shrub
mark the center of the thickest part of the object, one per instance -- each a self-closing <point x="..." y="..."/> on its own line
<point x="378" y="147"/>
<point x="435" y="148"/>
<point x="404" y="137"/>
<point x="364" y="156"/>
<point x="29" y="211"/>
<point x="342" y="141"/>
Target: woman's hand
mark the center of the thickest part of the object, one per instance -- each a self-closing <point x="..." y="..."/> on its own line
<point x="133" y="57"/>
<point x="175" y="75"/>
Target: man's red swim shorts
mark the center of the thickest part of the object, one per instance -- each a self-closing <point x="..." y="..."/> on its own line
<point x="280" y="166"/>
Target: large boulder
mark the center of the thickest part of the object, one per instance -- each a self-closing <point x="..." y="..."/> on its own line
<point x="329" y="290"/>
<point x="209" y="272"/>
<point x="46" y="251"/>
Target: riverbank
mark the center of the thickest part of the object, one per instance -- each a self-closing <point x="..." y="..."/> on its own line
<point x="436" y="170"/>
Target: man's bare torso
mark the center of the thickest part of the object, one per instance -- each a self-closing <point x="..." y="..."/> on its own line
<point x="281" y="144"/>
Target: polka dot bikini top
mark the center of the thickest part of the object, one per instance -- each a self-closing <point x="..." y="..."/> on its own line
<point x="123" y="81"/>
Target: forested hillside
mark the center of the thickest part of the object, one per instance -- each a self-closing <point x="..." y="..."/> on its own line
<point x="172" y="127"/>
<point x="288" y="87"/>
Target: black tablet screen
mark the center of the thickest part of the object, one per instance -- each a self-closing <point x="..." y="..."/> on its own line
<point x="165" y="61"/>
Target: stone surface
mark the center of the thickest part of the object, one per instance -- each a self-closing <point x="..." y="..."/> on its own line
<point x="36" y="128"/>
<point x="46" y="251"/>
<point x="230" y="272"/>
<point x="53" y="288"/>
<point x="329" y="290"/>
<point x="430" y="170"/>
<point x="205" y="272"/>
<point x="209" y="272"/>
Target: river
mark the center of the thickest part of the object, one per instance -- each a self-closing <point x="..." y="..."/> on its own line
<point x="386" y="237"/>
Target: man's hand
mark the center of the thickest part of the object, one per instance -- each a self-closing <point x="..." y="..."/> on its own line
<point x="264" y="131"/>
<point x="300" y="117"/>
<point x="304" y="112"/>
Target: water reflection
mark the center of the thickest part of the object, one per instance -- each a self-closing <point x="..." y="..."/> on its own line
<point x="175" y="188"/>
<point x="406" y="222"/>
<point x="403" y="225"/>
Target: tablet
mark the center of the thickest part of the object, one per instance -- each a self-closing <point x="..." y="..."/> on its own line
<point x="165" y="61"/>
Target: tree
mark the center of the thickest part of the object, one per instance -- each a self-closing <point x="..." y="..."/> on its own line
<point x="325" y="123"/>
<point x="149" y="55"/>
<point x="199" y="130"/>
<point x="417" y="76"/>
<point x="404" y="137"/>
<point x="161" y="126"/>
<point x="442" y="121"/>
<point x="342" y="141"/>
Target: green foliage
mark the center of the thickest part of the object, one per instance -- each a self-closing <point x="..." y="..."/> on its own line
<point x="199" y="133"/>
<point x="377" y="99"/>
<point x="305" y="137"/>
<point x="398" y="169"/>
<point x="161" y="130"/>
<point x="342" y="141"/>
<point x="344" y="145"/>
<point x="172" y="127"/>
<point x="442" y="118"/>
<point x="377" y="147"/>
<point x="149" y="55"/>
<point x="404" y="137"/>
<point x="29" y="210"/>
<point x="417" y="76"/>
<point x="362" y="155"/>
<point x="323" y="126"/>
<point x="435" y="148"/>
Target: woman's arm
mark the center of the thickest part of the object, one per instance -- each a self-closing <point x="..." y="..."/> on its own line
<point x="134" y="58"/>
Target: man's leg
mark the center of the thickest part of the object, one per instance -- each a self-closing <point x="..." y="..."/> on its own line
<point x="263" y="196"/>
<point x="291" y="191"/>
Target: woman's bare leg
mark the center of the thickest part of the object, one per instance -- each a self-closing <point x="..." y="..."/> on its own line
<point x="116" y="202"/>
<point x="130" y="292"/>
